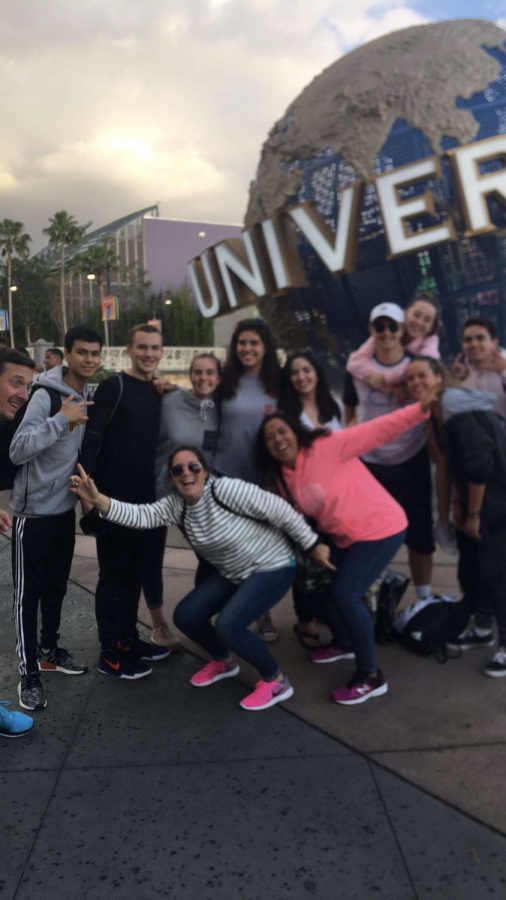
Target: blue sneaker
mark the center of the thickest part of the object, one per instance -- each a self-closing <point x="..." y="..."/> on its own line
<point x="13" y="724"/>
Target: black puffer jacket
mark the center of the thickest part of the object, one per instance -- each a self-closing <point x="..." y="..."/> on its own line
<point x="475" y="442"/>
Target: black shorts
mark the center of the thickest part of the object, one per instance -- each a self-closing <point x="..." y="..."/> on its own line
<point x="410" y="484"/>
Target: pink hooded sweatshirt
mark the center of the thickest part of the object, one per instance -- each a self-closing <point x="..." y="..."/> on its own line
<point x="331" y="485"/>
<point x="359" y="362"/>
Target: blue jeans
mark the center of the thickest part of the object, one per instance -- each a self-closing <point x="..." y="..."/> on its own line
<point x="358" y="566"/>
<point x="238" y="606"/>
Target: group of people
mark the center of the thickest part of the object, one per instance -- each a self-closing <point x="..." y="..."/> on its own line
<point x="265" y="472"/>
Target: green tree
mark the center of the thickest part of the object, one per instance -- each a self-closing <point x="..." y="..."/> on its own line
<point x="13" y="242"/>
<point x="34" y="299"/>
<point x="183" y="325"/>
<point x="65" y="231"/>
<point x="101" y="259"/>
<point x="78" y="266"/>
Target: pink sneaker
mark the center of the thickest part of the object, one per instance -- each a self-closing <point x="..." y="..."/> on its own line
<point x="360" y="688"/>
<point x="214" y="671"/>
<point x="330" y="653"/>
<point x="267" y="693"/>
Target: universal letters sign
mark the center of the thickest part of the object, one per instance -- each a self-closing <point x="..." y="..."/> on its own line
<point x="265" y="262"/>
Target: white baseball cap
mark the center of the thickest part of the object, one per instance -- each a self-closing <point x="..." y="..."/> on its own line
<point x="389" y="310"/>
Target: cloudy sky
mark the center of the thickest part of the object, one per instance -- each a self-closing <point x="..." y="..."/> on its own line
<point x="111" y="106"/>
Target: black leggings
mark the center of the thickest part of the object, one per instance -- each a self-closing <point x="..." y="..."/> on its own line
<point x="482" y="577"/>
<point x="152" y="579"/>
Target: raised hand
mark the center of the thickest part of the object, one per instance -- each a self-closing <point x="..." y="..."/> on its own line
<point x="85" y="488"/>
<point x="496" y="362"/>
<point x="75" y="412"/>
<point x="459" y="368"/>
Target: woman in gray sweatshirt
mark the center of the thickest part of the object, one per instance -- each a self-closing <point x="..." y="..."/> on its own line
<point x="188" y="417"/>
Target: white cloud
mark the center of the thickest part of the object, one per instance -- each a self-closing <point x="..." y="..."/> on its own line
<point x="108" y="107"/>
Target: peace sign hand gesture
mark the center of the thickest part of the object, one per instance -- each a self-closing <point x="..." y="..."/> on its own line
<point x="85" y="488"/>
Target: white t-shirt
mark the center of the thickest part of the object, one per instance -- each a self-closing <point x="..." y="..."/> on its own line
<point x="371" y="404"/>
<point x="333" y="424"/>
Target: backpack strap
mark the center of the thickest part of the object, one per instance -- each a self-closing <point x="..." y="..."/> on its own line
<point x="223" y="506"/>
<point x="234" y="511"/>
<point x="54" y="396"/>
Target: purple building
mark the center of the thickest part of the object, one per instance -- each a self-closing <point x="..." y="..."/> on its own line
<point x="169" y="245"/>
<point x="143" y="242"/>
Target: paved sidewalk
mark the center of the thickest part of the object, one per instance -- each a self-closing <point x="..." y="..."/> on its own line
<point x="154" y="789"/>
<point x="443" y="727"/>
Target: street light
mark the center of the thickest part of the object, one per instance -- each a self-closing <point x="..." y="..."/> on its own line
<point x="13" y="287"/>
<point x="168" y="302"/>
<point x="91" y="276"/>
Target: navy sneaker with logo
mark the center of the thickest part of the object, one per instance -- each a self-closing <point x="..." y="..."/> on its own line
<point x="118" y="665"/>
<point x="143" y="650"/>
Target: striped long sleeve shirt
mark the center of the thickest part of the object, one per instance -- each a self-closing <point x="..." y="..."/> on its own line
<point x="218" y="527"/>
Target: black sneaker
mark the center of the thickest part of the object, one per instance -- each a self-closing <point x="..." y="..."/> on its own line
<point x="143" y="650"/>
<point x="117" y="666"/>
<point x="30" y="692"/>
<point x="59" y="660"/>
<point x="469" y="639"/>
<point x="497" y="665"/>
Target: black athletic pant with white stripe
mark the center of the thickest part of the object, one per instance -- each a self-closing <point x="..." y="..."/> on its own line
<point x="42" y="551"/>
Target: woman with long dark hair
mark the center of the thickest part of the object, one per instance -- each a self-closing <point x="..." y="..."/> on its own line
<point x="305" y="395"/>
<point x="321" y="473"/>
<point x="249" y="391"/>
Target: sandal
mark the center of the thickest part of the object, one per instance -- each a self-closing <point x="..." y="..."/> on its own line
<point x="304" y="636"/>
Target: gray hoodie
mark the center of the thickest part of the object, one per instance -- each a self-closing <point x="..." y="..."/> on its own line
<point x="47" y="450"/>
<point x="185" y="420"/>
<point x="462" y="400"/>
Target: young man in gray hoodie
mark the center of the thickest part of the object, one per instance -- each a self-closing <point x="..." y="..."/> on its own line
<point x="46" y="446"/>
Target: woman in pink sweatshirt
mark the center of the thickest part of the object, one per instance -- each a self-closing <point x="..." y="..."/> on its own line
<point x="422" y="319"/>
<point x="322" y="476"/>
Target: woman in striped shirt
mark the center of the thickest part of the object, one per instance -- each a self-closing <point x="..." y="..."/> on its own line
<point x="248" y="535"/>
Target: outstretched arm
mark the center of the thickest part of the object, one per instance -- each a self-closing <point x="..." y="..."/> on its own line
<point x="363" y="438"/>
<point x="132" y="515"/>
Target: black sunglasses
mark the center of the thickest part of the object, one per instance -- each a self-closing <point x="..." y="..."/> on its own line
<point x="393" y="327"/>
<point x="178" y="470"/>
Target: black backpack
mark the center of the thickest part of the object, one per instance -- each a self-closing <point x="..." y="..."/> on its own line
<point x="438" y="622"/>
<point x="8" y="469"/>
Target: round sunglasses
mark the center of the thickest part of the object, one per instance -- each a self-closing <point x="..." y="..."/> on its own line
<point x="192" y="467"/>
<point x="392" y="327"/>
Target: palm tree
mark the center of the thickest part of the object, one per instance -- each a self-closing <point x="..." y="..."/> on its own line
<point x="79" y="266"/>
<point x="63" y="230"/>
<point x="13" y="240"/>
<point x="100" y="259"/>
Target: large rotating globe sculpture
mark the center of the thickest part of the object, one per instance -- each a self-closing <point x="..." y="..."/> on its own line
<point x="398" y="99"/>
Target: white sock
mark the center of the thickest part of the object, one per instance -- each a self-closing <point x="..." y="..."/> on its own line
<point x="422" y="591"/>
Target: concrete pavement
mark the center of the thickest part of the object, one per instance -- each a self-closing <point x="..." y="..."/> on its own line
<point x="153" y="789"/>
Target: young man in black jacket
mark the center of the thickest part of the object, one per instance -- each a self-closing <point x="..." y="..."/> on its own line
<point x="476" y="442"/>
<point x="119" y="451"/>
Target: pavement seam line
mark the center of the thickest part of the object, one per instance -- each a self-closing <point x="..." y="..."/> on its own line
<point x="55" y="785"/>
<point x="201" y="762"/>
<point x="392" y="828"/>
